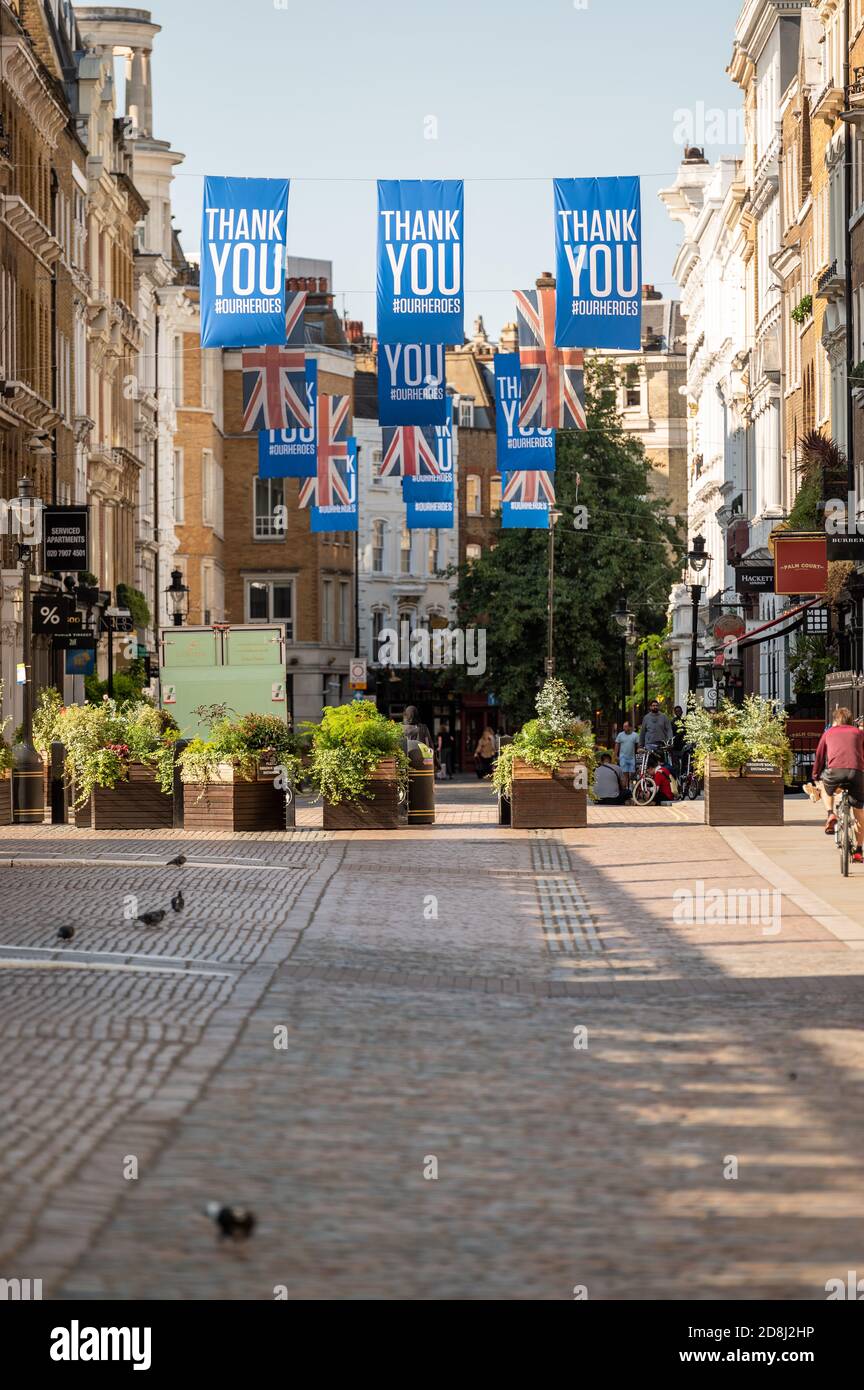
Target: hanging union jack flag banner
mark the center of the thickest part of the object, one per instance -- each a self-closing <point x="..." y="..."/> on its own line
<point x="410" y="451"/>
<point x="340" y="516"/>
<point x="274" y="378"/>
<point x="528" y="495"/>
<point x="553" y="387"/>
<point x="329" y="486"/>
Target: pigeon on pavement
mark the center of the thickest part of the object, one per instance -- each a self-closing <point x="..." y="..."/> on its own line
<point x="236" y="1222"/>
<point x="65" y="933"/>
<point x="179" y="860"/>
<point x="178" y="902"/>
<point x="152" y="919"/>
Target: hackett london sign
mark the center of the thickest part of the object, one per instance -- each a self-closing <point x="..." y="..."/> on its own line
<point x="756" y="579"/>
<point x="800" y="564"/>
<point x="64" y="531"/>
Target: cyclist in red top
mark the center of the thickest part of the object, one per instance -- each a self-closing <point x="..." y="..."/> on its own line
<point x="839" y="762"/>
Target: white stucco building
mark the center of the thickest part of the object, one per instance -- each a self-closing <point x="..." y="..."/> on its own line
<point x="401" y="572"/>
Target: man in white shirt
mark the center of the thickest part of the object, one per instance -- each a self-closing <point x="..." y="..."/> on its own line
<point x="607" y="783"/>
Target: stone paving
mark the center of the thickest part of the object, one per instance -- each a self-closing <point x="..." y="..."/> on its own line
<point x="426" y="985"/>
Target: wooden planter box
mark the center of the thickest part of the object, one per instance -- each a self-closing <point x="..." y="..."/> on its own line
<point x="380" y="811"/>
<point x="5" y="798"/>
<point x="136" y="804"/>
<point x="756" y="798"/>
<point x="547" y="801"/>
<point x="232" y="804"/>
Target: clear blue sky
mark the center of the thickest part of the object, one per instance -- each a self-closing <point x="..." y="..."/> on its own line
<point x="339" y="91"/>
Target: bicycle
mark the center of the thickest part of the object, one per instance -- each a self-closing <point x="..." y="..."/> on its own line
<point x="689" y="782"/>
<point x="644" y="790"/>
<point x="845" y="830"/>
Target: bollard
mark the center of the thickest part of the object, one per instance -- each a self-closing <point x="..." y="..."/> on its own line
<point x="503" y="810"/>
<point x="421" y="787"/>
<point x="290" y="806"/>
<point x="28" y="785"/>
<point x="58" y="801"/>
<point x="177" y="809"/>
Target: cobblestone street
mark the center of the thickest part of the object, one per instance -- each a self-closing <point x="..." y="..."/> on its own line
<point x="430" y="982"/>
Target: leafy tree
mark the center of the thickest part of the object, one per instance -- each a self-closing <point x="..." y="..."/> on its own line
<point x="661" y="680"/>
<point x="623" y="544"/>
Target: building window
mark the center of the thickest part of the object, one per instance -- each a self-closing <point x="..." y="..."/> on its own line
<point x="632" y="387"/>
<point x="269" y="509"/>
<point x="377" y="458"/>
<point x="405" y="551"/>
<point x="378" y="538"/>
<point x="495" y="494"/>
<point x="474" y="494"/>
<point x="212" y="499"/>
<point x="472" y="553"/>
<point x="433" y="551"/>
<point x="327" y="611"/>
<point x="178" y="369"/>
<point x="270" y="601"/>
<point x="466" y="414"/>
<point x="179" y="510"/>
<point x="380" y="619"/>
<point x="345" y="614"/>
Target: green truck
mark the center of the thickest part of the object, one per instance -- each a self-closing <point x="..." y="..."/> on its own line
<point x="240" y="666"/>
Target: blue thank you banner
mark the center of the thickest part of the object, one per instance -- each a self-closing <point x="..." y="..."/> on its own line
<point x="598" y="250"/>
<point x="420" y="261"/>
<point x="517" y="448"/>
<point x="243" y="242"/>
<point x="292" y="453"/>
<point x="435" y="514"/>
<point x="411" y="385"/>
<point x="340" y="516"/>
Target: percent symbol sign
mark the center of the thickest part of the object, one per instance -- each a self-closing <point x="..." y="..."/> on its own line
<point x="49" y="615"/>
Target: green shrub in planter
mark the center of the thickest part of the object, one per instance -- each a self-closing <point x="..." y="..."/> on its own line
<point x="546" y="743"/>
<point x="102" y="740"/>
<point x="242" y="743"/>
<point x="736" y="735"/>
<point x="347" y="747"/>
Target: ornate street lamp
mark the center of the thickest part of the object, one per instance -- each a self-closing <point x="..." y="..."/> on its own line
<point x="698" y="566"/>
<point x="178" y="597"/>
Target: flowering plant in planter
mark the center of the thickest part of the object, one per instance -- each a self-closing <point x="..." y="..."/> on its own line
<point x="736" y="735"/>
<point x="46" y="717"/>
<point x="102" y="740"/>
<point x="347" y="747"/>
<point x="546" y="743"/>
<point x="242" y="743"/>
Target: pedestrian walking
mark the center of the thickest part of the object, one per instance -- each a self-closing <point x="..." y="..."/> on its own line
<point x="626" y="743"/>
<point x="656" y="728"/>
<point x="485" y="753"/>
<point x="445" y="752"/>
<point x="413" y="729"/>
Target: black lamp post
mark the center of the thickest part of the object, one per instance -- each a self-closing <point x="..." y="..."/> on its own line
<point x="697" y="561"/>
<point x="554" y="517"/>
<point x="625" y="620"/>
<point x="178" y="597"/>
<point x="28" y="790"/>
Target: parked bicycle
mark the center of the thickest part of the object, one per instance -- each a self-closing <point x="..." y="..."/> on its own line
<point x="687" y="785"/>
